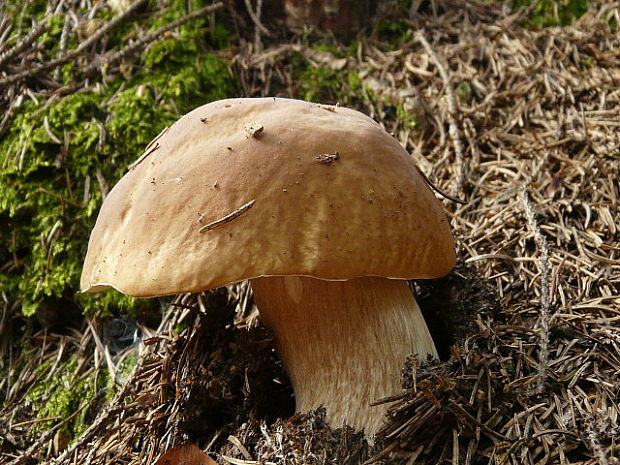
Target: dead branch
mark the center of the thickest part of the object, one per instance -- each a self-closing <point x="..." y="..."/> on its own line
<point x="71" y="55"/>
<point x="153" y="36"/>
<point x="545" y="286"/>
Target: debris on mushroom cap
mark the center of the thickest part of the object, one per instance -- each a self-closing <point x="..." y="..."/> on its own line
<point x="307" y="220"/>
<point x="231" y="216"/>
<point x="253" y="129"/>
<point x="328" y="158"/>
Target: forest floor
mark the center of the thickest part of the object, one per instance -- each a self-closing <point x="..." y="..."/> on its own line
<point x="520" y="124"/>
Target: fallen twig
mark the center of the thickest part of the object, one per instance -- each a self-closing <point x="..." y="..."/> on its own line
<point x="67" y="57"/>
<point x="28" y="454"/>
<point x="228" y="218"/>
<point x="152" y="36"/>
<point x="545" y="286"/>
<point x="39" y="29"/>
<point x="452" y="108"/>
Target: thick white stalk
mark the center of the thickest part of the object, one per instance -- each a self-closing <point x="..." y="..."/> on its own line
<point x="343" y="343"/>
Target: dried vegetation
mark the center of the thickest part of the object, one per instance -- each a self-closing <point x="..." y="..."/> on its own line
<point x="523" y="126"/>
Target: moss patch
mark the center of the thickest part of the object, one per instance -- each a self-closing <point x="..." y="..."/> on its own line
<point x="555" y="12"/>
<point x="324" y="84"/>
<point x="64" y="393"/>
<point x="59" y="158"/>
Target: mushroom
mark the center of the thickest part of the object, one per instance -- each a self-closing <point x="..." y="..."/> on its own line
<point x="321" y="209"/>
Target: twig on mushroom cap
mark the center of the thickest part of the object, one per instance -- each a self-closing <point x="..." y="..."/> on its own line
<point x="228" y="218"/>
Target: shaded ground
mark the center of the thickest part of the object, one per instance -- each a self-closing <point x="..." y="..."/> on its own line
<point x="520" y="124"/>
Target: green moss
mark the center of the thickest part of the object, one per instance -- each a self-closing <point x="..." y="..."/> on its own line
<point x="408" y="119"/>
<point x="59" y="396"/>
<point x="45" y="201"/>
<point x="393" y="31"/>
<point x="464" y="92"/>
<point x="136" y="119"/>
<point x="587" y="63"/>
<point x="56" y="161"/>
<point x="22" y="13"/>
<point x="335" y="50"/>
<point x="322" y="84"/>
<point x="555" y="12"/>
<point x="125" y="368"/>
<point x="51" y="37"/>
<point x="202" y="32"/>
<point x="186" y="74"/>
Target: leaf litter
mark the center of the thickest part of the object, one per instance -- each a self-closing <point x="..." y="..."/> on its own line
<point x="522" y="125"/>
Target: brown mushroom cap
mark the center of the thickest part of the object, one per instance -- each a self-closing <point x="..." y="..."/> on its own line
<point x="335" y="197"/>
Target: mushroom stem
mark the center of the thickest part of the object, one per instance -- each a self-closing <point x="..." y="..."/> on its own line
<point x="343" y="343"/>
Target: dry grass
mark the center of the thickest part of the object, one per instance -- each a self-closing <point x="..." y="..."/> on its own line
<point x="522" y="125"/>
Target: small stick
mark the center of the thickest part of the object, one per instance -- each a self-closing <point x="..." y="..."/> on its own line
<point x="38" y="444"/>
<point x="255" y="16"/>
<point x="144" y="155"/>
<point x="156" y="138"/>
<point x="228" y="218"/>
<point x="452" y="109"/>
<point x="543" y="249"/>
<point x="39" y="29"/>
<point x="64" y="39"/>
<point x="67" y="57"/>
<point x="234" y="440"/>
<point x="152" y="36"/>
<point x="437" y="189"/>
